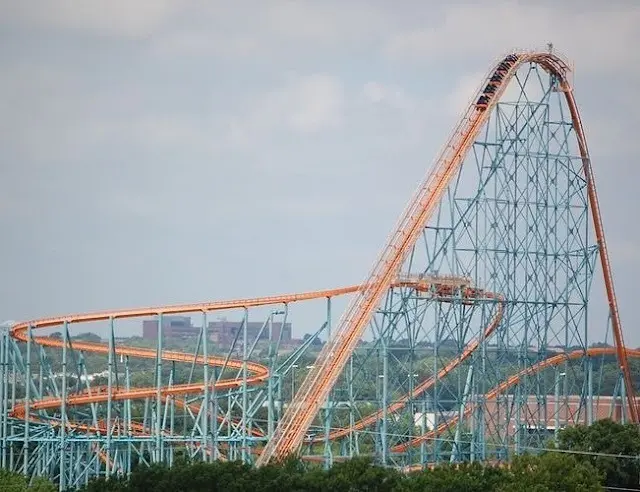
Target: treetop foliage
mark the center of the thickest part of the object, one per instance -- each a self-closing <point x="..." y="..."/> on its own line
<point x="606" y="454"/>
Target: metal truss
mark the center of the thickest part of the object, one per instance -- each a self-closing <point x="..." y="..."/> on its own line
<point x="479" y="350"/>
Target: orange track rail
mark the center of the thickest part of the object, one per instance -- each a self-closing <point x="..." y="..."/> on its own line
<point x="512" y="381"/>
<point x="289" y="434"/>
<point x="259" y="372"/>
<point x="99" y="394"/>
<point x="428" y="383"/>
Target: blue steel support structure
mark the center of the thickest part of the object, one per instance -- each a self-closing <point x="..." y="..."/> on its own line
<point x="516" y="221"/>
<point x="514" y="225"/>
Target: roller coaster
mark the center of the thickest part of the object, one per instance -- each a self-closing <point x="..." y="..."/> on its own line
<point x="468" y="340"/>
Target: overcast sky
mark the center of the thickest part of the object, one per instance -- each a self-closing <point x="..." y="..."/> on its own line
<point x="163" y="151"/>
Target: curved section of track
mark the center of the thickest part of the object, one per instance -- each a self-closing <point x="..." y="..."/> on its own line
<point x="512" y="381"/>
<point x="443" y="293"/>
<point x="289" y="434"/>
<point x="259" y="373"/>
<point x="291" y="429"/>
<point x="427" y="384"/>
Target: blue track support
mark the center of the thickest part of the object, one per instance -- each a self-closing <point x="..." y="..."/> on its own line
<point x="515" y="221"/>
<point x="206" y="455"/>
<point x="63" y="409"/>
<point x="505" y="265"/>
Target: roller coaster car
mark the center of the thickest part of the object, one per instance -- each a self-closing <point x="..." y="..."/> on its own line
<point x="483" y="101"/>
<point x="489" y="89"/>
<point x="445" y="290"/>
<point x="511" y="58"/>
<point x="472" y="292"/>
<point x="496" y="77"/>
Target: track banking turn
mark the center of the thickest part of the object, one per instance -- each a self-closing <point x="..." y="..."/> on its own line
<point x="289" y="435"/>
<point x="259" y="373"/>
<point x="385" y="274"/>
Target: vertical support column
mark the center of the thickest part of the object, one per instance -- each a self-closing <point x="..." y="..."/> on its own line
<point x="63" y="406"/>
<point x="590" y="391"/>
<point x="14" y="382"/>
<point x="483" y="429"/>
<point x="423" y="444"/>
<point x="270" y="419"/>
<point x="560" y="378"/>
<point x="519" y="431"/>
<point x="233" y="448"/>
<point x="481" y="415"/>
<point x="127" y="404"/>
<point x="245" y="396"/>
<point x="556" y="407"/>
<point x="109" y="398"/>
<point x="328" y="458"/>
<point x="410" y="405"/>
<point x="205" y="413"/>
<point x="473" y="448"/>
<point x="157" y="457"/>
<point x="170" y="407"/>
<point x="214" y="416"/>
<point x="456" y="455"/>
<point x="352" y="405"/>
<point x="27" y="403"/>
<point x="623" y="399"/>
<point x="435" y="400"/>
<point x="3" y="398"/>
<point x="385" y="378"/>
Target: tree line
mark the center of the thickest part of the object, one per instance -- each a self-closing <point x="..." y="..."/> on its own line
<point x="605" y="454"/>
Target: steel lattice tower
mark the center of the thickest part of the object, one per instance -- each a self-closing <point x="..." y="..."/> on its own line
<point x="515" y="220"/>
<point x="478" y="349"/>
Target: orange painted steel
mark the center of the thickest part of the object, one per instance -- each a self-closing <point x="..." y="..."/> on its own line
<point x="604" y="255"/>
<point x="291" y="429"/>
<point x="259" y="372"/>
<point x="512" y="381"/>
<point x="428" y="383"/>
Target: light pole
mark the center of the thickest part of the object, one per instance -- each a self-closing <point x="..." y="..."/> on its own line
<point x="411" y="389"/>
<point x="272" y="358"/>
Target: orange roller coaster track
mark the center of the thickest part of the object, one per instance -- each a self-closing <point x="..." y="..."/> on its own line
<point x="259" y="372"/>
<point x="292" y="427"/>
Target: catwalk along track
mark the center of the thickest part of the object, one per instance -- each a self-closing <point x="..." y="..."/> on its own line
<point x="480" y="292"/>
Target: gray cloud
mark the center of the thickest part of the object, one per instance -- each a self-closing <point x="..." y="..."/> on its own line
<point x="162" y="151"/>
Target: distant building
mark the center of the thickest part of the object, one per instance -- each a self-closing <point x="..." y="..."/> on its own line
<point x="221" y="332"/>
<point x="172" y="327"/>
<point x="541" y="415"/>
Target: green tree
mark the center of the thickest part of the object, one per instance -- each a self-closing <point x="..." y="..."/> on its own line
<point x="359" y="474"/>
<point x="470" y="477"/>
<point x="550" y="472"/>
<point x="14" y="482"/>
<point x="612" y="448"/>
<point x="88" y="337"/>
